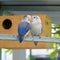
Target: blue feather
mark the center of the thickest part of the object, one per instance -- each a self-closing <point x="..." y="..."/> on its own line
<point x="23" y="28"/>
<point x="21" y="39"/>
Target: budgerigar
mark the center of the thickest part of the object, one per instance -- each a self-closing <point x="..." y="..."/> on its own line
<point x="36" y="27"/>
<point x="24" y="27"/>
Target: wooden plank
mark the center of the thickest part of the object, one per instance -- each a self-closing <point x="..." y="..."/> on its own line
<point x="25" y="45"/>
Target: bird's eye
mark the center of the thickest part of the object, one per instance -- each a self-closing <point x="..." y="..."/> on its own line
<point x="34" y="17"/>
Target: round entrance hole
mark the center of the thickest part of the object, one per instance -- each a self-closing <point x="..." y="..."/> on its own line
<point x="7" y="24"/>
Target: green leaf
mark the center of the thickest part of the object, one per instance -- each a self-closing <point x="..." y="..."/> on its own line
<point x="53" y="54"/>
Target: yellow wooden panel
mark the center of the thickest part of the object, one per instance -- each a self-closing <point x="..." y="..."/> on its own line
<point x="13" y="30"/>
<point x="15" y="21"/>
<point x="24" y="45"/>
<point x="48" y="26"/>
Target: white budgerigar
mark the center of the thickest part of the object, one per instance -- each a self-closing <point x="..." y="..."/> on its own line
<point x="36" y="27"/>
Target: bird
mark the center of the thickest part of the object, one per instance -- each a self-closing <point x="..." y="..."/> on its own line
<point x="24" y="27"/>
<point x="36" y="27"/>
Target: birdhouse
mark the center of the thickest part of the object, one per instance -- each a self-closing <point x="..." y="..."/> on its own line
<point x="9" y="25"/>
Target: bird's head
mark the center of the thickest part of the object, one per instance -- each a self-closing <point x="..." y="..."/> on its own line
<point x="27" y="18"/>
<point x="36" y="19"/>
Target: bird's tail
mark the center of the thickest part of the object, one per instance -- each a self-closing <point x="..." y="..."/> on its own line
<point x="21" y="38"/>
<point x="35" y="42"/>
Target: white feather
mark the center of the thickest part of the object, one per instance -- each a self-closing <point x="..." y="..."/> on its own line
<point x="36" y="29"/>
<point x="36" y="25"/>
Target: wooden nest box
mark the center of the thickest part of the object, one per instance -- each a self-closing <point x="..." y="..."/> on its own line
<point x="9" y="25"/>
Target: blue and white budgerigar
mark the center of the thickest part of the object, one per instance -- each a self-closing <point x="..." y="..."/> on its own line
<point x="36" y="27"/>
<point x="24" y="27"/>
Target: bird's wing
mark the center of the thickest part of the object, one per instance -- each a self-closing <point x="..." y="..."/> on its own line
<point x="41" y="28"/>
<point x="27" y="33"/>
<point x="23" y="28"/>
